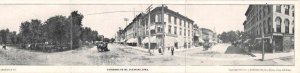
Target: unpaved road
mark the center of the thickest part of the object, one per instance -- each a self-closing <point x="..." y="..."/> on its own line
<point x="120" y="55"/>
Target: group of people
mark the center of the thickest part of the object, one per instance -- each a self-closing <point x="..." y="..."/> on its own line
<point x="161" y="51"/>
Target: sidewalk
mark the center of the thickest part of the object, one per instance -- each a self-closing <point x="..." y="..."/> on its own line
<point x="270" y="56"/>
<point x="155" y="51"/>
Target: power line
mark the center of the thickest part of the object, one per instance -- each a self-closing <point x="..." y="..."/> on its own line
<point x="111" y="12"/>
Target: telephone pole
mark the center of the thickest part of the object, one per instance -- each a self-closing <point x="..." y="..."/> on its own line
<point x="163" y="27"/>
<point x="148" y="12"/>
<point x="263" y="46"/>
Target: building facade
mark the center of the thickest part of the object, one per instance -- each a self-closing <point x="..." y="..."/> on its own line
<point x="275" y="22"/>
<point x="208" y="35"/>
<point x="161" y="27"/>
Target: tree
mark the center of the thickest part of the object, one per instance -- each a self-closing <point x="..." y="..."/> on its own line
<point x="231" y="36"/>
<point x="75" y="27"/>
<point x="56" y="30"/>
<point x="24" y="32"/>
<point x="112" y="39"/>
<point x="4" y="35"/>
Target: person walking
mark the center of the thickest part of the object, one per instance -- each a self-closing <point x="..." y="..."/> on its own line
<point x="172" y="50"/>
<point x="4" y="47"/>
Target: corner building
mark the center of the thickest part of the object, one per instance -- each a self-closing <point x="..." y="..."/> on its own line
<point x="167" y="28"/>
<point x="272" y="21"/>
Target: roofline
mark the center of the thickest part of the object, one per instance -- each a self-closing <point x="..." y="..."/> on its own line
<point x="247" y="12"/>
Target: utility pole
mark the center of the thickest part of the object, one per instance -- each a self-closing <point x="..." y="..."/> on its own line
<point x="125" y="19"/>
<point x="263" y="46"/>
<point x="148" y="12"/>
<point x="163" y="27"/>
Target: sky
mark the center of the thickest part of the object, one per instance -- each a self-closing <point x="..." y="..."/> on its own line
<point x="215" y="17"/>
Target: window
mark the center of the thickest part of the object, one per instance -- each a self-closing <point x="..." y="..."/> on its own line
<point x="287" y="24"/>
<point x="184" y="32"/>
<point x="180" y="31"/>
<point x="188" y="32"/>
<point x="259" y="29"/>
<point x="260" y="14"/>
<point x="278" y="24"/>
<point x="169" y="29"/>
<point x="293" y="11"/>
<point x="278" y="8"/>
<point x="293" y="27"/>
<point x="286" y="9"/>
<point x="266" y="28"/>
<point x="269" y="9"/>
<point x="270" y="25"/>
<point x="175" y="30"/>
<point x="189" y="25"/>
<point x="169" y="18"/>
<point x="175" y="20"/>
<point x="159" y="29"/>
<point x="158" y="18"/>
<point x="184" y="22"/>
<point x="180" y="21"/>
<point x="266" y="10"/>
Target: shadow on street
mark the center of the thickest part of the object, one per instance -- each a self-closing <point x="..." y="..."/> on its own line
<point x="234" y="50"/>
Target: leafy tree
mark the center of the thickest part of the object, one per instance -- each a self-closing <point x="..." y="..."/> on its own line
<point x="75" y="27"/>
<point x="4" y="35"/>
<point x="112" y="39"/>
<point x="56" y="32"/>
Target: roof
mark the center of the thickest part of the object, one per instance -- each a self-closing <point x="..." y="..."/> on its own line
<point x="137" y="17"/>
<point x="169" y="11"/>
<point x="248" y="10"/>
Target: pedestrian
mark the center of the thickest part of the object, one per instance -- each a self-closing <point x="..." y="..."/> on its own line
<point x="4" y="47"/>
<point x="172" y="51"/>
<point x="205" y="46"/>
<point x="159" y="50"/>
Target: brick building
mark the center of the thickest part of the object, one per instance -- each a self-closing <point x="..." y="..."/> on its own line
<point x="275" y="22"/>
<point x="167" y="28"/>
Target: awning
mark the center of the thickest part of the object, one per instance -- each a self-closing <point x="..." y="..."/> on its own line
<point x="122" y="41"/>
<point x="247" y="40"/>
<point x="132" y="40"/>
<point x="152" y="40"/>
<point x="200" y="40"/>
<point x="152" y="27"/>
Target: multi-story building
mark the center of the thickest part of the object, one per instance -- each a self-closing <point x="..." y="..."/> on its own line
<point x="118" y="35"/>
<point x="133" y="31"/>
<point x="208" y="35"/>
<point x="198" y="40"/>
<point x="167" y="29"/>
<point x="275" y="22"/>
